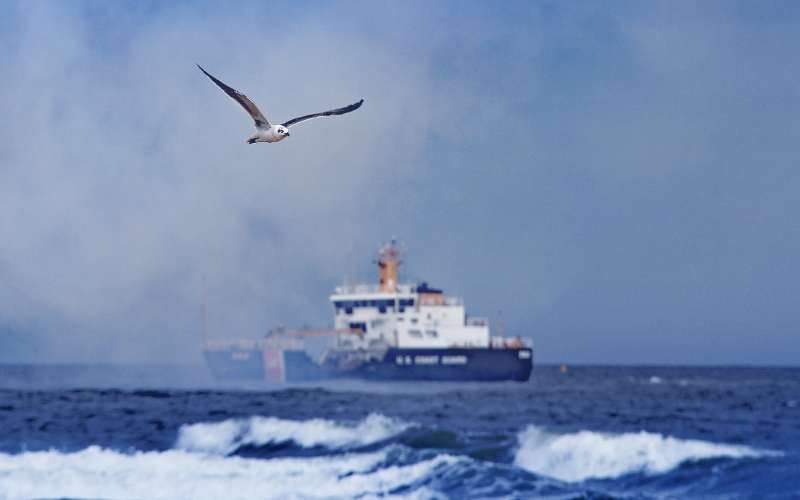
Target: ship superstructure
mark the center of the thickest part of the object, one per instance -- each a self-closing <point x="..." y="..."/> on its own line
<point x="386" y="331"/>
<point x="403" y="315"/>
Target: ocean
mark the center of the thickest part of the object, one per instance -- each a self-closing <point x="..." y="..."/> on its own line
<point x="107" y="432"/>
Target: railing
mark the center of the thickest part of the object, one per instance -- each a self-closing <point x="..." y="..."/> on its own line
<point x="288" y="343"/>
<point x="285" y="343"/>
<point x="369" y="289"/>
<point x="511" y="342"/>
<point x="229" y="345"/>
<point x="357" y="289"/>
<point x="405" y="289"/>
<point x="475" y="321"/>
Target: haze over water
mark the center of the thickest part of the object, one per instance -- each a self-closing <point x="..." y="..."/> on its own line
<point x="620" y="180"/>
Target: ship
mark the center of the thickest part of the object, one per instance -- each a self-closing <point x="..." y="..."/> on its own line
<point x="385" y="332"/>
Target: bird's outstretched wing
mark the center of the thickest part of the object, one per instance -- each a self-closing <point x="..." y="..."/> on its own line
<point x="242" y="99"/>
<point x="339" y="111"/>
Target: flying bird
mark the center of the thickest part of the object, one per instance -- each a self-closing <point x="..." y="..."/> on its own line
<point x="265" y="131"/>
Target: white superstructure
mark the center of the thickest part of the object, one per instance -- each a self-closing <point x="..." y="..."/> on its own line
<point x="402" y="315"/>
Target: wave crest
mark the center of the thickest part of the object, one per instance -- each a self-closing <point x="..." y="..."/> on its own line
<point x="176" y="474"/>
<point x="226" y="437"/>
<point x="582" y="455"/>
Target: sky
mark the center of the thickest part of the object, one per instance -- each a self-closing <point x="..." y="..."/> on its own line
<point x="620" y="179"/>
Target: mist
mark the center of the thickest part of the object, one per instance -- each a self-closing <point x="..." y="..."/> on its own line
<point x="620" y="180"/>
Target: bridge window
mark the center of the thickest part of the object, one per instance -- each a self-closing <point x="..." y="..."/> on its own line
<point x="415" y="333"/>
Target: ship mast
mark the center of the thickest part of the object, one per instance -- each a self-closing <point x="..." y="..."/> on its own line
<point x="205" y="315"/>
<point x="388" y="260"/>
<point x="352" y="273"/>
<point x="499" y="326"/>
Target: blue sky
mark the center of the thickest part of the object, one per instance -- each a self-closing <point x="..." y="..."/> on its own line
<point x="620" y="179"/>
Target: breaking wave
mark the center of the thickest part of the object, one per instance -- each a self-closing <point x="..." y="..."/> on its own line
<point x="582" y="455"/>
<point x="224" y="438"/>
<point x="201" y="465"/>
<point x="175" y="474"/>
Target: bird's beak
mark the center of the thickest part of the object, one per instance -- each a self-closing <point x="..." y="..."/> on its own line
<point x="287" y="134"/>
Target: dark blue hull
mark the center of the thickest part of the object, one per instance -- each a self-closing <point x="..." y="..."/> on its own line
<point x="452" y="364"/>
<point x="236" y="364"/>
<point x="397" y="364"/>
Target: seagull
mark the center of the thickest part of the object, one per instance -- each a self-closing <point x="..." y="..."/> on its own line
<point x="265" y="131"/>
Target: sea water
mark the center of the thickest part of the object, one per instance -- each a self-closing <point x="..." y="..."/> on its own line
<point x="587" y="432"/>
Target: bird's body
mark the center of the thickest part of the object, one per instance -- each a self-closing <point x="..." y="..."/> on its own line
<point x="267" y="134"/>
<point x="265" y="131"/>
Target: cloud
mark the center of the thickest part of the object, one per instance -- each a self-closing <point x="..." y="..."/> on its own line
<point x="126" y="177"/>
<point x="559" y="162"/>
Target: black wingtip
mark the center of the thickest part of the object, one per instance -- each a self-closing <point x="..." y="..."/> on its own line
<point x="353" y="106"/>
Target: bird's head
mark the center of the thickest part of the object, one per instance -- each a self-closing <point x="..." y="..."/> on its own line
<point x="283" y="131"/>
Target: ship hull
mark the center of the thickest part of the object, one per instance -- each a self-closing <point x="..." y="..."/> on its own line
<point x="236" y="364"/>
<point x="397" y="364"/>
<point x="451" y="364"/>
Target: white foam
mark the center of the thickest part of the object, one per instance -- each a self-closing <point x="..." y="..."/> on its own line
<point x="582" y="455"/>
<point x="178" y="474"/>
<point x="226" y="437"/>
